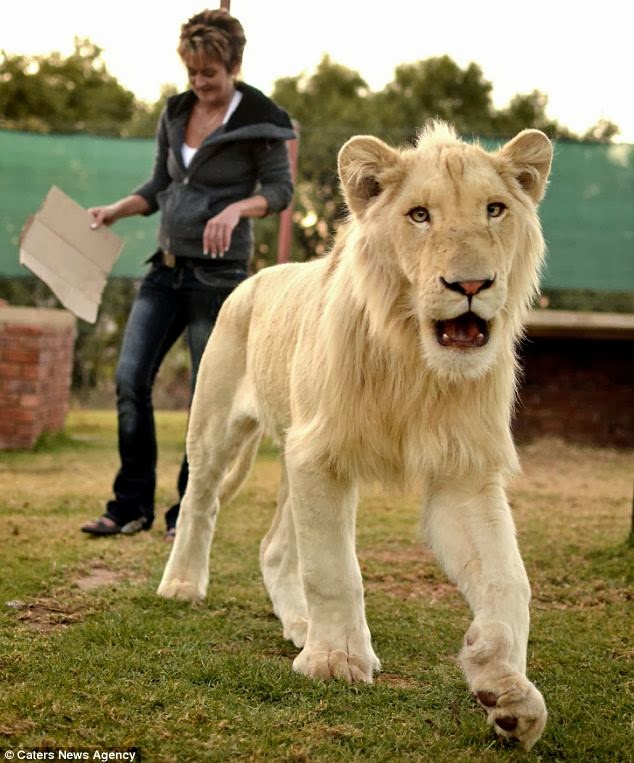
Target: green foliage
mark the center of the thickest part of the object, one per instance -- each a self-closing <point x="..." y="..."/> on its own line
<point x="435" y="89"/>
<point x="527" y="111"/>
<point x="57" y="94"/>
<point x="602" y="132"/>
<point x="146" y="115"/>
<point x="330" y="106"/>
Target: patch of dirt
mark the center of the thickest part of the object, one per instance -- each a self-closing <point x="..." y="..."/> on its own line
<point x="16" y="728"/>
<point x="98" y="577"/>
<point x="341" y="731"/>
<point x="406" y="572"/>
<point x="47" y="614"/>
<point x="65" y="605"/>
<point x="392" y="679"/>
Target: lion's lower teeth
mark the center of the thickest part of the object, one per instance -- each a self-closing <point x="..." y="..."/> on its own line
<point x="480" y="337"/>
<point x="445" y="337"/>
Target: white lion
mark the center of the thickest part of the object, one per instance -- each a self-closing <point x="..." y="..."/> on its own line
<point x="392" y="358"/>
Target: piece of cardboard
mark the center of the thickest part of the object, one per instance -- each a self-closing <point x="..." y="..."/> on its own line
<point x="59" y="247"/>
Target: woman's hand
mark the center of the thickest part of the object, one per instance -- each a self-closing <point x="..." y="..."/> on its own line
<point x="110" y="213"/>
<point x="217" y="233"/>
<point x="104" y="215"/>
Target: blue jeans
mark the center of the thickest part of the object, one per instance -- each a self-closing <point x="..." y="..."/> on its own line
<point x="169" y="302"/>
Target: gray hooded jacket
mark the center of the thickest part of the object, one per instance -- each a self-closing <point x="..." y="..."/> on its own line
<point x="247" y="155"/>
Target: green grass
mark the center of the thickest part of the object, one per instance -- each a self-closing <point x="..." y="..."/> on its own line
<point x="91" y="657"/>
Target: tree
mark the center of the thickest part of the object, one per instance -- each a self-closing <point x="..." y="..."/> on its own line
<point x="527" y="111"/>
<point x="331" y="106"/>
<point x="56" y="94"/>
<point x="435" y="88"/>
<point x="602" y="132"/>
<point x="146" y="115"/>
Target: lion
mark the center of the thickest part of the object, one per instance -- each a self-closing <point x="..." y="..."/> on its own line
<point x="391" y="358"/>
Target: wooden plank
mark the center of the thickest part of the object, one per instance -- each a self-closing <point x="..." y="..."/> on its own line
<point x="580" y="325"/>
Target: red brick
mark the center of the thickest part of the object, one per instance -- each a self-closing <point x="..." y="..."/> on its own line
<point x="24" y="342"/>
<point x="22" y="442"/>
<point x="21" y="386"/>
<point x="30" y="401"/>
<point x="31" y="371"/>
<point x="23" y="415"/>
<point x="35" y="374"/>
<point x="19" y="355"/>
<point x="30" y="330"/>
<point x="10" y="371"/>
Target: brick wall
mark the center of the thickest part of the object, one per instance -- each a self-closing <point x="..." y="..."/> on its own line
<point x="36" y="357"/>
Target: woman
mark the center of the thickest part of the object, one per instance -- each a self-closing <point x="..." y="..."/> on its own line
<point x="221" y="160"/>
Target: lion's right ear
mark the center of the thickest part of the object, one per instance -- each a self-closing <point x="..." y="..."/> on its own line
<point x="530" y="155"/>
<point x="363" y="165"/>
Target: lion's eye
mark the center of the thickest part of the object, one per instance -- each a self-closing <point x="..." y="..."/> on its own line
<point x="418" y="215"/>
<point x="496" y="209"/>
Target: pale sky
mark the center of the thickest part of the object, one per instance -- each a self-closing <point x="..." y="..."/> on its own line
<point x="579" y="53"/>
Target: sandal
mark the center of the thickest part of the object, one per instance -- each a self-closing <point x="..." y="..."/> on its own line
<point x="106" y="525"/>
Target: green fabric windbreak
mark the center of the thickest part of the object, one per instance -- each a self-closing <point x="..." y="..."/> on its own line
<point x="587" y="215"/>
<point x="588" y="218"/>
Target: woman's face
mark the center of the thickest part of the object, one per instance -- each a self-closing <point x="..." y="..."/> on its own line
<point x="210" y="80"/>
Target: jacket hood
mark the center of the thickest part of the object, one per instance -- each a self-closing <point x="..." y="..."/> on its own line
<point x="255" y="115"/>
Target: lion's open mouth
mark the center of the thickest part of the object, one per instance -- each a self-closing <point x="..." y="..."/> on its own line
<point x="464" y="332"/>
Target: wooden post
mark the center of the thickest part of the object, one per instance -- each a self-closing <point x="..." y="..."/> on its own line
<point x="632" y="525"/>
<point x="226" y="5"/>
<point x="285" y="231"/>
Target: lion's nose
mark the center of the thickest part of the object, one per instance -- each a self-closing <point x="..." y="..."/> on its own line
<point x="468" y="288"/>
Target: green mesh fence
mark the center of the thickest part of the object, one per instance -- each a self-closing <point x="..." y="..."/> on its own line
<point x="588" y="213"/>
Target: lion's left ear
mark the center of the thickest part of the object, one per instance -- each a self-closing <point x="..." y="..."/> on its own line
<point x="529" y="155"/>
<point x="364" y="162"/>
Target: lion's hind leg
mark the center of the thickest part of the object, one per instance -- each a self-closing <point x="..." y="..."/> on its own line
<point x="223" y="429"/>
<point x="279" y="562"/>
<point x="186" y="575"/>
<point x="470" y="528"/>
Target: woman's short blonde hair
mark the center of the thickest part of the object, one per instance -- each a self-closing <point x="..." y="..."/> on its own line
<point x="214" y="34"/>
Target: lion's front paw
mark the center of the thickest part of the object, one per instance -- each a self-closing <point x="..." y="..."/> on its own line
<point x="514" y="706"/>
<point x="336" y="663"/>
<point x="184" y="590"/>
